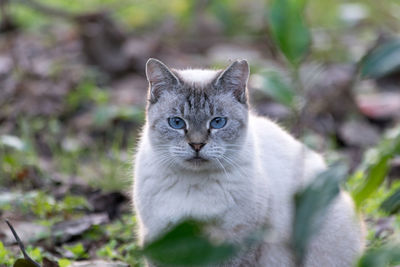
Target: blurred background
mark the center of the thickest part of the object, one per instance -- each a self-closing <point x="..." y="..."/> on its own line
<point x="73" y="93"/>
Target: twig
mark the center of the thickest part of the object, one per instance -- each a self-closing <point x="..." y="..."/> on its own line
<point x="21" y="245"/>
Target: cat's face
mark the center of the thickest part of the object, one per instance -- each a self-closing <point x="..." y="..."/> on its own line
<point x="197" y="119"/>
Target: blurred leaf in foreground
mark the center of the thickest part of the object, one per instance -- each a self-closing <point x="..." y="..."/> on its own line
<point x="380" y="257"/>
<point x="288" y="28"/>
<point x="311" y="205"/>
<point x="24" y="263"/>
<point x="382" y="60"/>
<point x="27" y="261"/>
<point x="378" y="169"/>
<point x="278" y="89"/>
<point x="186" y="245"/>
<point x="391" y="205"/>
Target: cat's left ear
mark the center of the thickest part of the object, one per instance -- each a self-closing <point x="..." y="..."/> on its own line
<point x="234" y="79"/>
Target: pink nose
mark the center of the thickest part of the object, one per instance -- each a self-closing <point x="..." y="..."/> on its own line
<point x="197" y="146"/>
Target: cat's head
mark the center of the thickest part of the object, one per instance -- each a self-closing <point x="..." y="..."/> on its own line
<point x="197" y="119"/>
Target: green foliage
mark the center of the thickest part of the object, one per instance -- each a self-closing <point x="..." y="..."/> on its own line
<point x="127" y="252"/>
<point x="377" y="169"/>
<point x="121" y="245"/>
<point x="311" y="205"/>
<point x="381" y="257"/>
<point x="64" y="262"/>
<point x="288" y="28"/>
<point x="278" y="89"/>
<point x="6" y="256"/>
<point x="392" y="204"/>
<point x="78" y="250"/>
<point x="186" y="245"/>
<point x="43" y="205"/>
<point x="72" y="203"/>
<point x="35" y="253"/>
<point x="122" y="229"/>
<point x="87" y="92"/>
<point x="16" y="154"/>
<point x="382" y="60"/>
<point x="105" y="114"/>
<point x="109" y="251"/>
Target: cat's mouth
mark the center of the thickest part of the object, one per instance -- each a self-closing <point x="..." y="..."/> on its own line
<point x="197" y="159"/>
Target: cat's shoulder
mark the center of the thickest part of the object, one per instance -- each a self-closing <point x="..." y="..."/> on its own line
<point x="267" y="128"/>
<point x="272" y="137"/>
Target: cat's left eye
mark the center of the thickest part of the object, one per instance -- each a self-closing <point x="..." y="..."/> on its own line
<point x="218" y="122"/>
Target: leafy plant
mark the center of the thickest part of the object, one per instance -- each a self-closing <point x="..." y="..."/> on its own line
<point x="5" y="255"/>
<point x="288" y="28"/>
<point x="78" y="250"/>
<point x="382" y="60"/>
<point x="379" y="257"/>
<point x="186" y="245"/>
<point x="311" y="205"/>
<point x="392" y="204"/>
<point x="377" y="169"/>
<point x="275" y="86"/>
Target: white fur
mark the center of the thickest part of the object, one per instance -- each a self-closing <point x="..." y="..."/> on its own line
<point x="198" y="76"/>
<point x="259" y="192"/>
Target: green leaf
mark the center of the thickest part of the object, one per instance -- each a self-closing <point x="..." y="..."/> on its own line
<point x="288" y="29"/>
<point x="375" y="177"/>
<point x="78" y="250"/>
<point x="64" y="262"/>
<point x="5" y="255"/>
<point x="24" y="263"/>
<point x="382" y="60"/>
<point x="186" y="245"/>
<point x="379" y="257"/>
<point x="311" y="205"/>
<point x="391" y="205"/>
<point x="377" y="170"/>
<point x="278" y="89"/>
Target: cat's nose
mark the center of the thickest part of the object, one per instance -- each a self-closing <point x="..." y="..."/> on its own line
<point x="197" y="146"/>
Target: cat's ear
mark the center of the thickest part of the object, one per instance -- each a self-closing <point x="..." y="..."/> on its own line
<point x="234" y="79"/>
<point x="160" y="78"/>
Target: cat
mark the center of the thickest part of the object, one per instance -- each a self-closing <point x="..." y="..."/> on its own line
<point x="204" y="155"/>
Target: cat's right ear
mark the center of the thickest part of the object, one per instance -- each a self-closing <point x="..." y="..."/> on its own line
<point x="160" y="78"/>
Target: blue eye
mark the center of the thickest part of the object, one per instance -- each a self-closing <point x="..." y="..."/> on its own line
<point x="218" y="122"/>
<point x="176" y="123"/>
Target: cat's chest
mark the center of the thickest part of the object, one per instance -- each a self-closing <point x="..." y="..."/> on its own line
<point x="175" y="197"/>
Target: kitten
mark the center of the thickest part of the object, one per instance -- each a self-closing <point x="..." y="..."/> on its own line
<point x="204" y="155"/>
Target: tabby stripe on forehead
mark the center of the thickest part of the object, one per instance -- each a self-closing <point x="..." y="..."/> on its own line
<point x="189" y="101"/>
<point x="182" y="108"/>
<point x="207" y="105"/>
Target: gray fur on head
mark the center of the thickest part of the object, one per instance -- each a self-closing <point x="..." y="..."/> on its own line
<point x="175" y="93"/>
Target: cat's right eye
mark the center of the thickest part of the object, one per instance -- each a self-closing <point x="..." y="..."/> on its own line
<point x="176" y="123"/>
